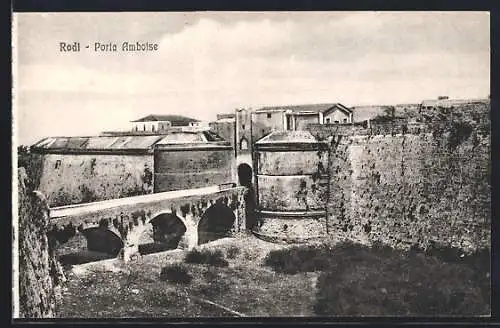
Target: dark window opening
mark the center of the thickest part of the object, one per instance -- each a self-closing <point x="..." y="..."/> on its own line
<point x="337" y="122"/>
<point x="328" y="120"/>
<point x="152" y="128"/>
<point x="58" y="164"/>
<point x="289" y="122"/>
<point x="268" y="115"/>
<point x="345" y="120"/>
<point x="144" y="127"/>
<point x="243" y="126"/>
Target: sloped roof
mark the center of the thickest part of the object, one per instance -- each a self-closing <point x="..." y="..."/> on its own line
<point x="123" y="143"/>
<point x="97" y="143"/>
<point x="312" y="108"/>
<point x="288" y="136"/>
<point x="175" y="119"/>
<point x="289" y="140"/>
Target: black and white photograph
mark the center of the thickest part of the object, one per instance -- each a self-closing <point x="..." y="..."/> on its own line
<point x="228" y="164"/>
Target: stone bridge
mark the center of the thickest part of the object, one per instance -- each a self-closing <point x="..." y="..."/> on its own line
<point x="211" y="210"/>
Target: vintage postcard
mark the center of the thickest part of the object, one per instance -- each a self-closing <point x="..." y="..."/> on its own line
<point x="251" y="164"/>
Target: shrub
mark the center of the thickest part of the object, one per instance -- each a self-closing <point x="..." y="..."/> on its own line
<point x="206" y="256"/>
<point x="233" y="251"/>
<point x="298" y="259"/>
<point x="176" y="273"/>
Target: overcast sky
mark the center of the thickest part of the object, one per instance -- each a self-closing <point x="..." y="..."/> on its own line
<point x="209" y="63"/>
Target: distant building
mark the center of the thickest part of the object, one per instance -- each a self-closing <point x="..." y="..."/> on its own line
<point x="445" y="102"/>
<point x="225" y="126"/>
<point x="226" y="115"/>
<point x="158" y="123"/>
<point x="297" y="117"/>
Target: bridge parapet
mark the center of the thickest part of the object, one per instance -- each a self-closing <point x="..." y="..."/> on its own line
<point x="129" y="217"/>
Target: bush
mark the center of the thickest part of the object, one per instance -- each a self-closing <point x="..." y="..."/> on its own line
<point x="206" y="256"/>
<point x="233" y="251"/>
<point x="176" y="273"/>
<point x="298" y="259"/>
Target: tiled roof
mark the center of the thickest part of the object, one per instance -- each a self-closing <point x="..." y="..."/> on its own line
<point x="131" y="142"/>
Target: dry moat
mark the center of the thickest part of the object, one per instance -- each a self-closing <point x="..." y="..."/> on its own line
<point x="249" y="277"/>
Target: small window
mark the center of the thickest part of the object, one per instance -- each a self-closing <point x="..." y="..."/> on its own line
<point x="243" y="144"/>
<point x="345" y="120"/>
<point x="268" y="115"/>
<point x="337" y="122"/>
<point x="144" y="127"/>
<point x="328" y="120"/>
<point x="243" y="126"/>
<point x="152" y="128"/>
<point x="58" y="164"/>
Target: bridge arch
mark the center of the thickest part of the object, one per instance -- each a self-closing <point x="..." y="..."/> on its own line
<point x="77" y="245"/>
<point x="217" y="222"/>
<point x="163" y="231"/>
<point x="103" y="240"/>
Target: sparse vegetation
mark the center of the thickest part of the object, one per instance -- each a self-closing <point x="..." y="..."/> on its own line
<point x="232" y="252"/>
<point x="32" y="163"/>
<point x="437" y="281"/>
<point x="159" y="298"/>
<point x="213" y="285"/>
<point x="177" y="273"/>
<point x="206" y="256"/>
<point x="298" y="259"/>
<point x="326" y="280"/>
<point x="409" y="283"/>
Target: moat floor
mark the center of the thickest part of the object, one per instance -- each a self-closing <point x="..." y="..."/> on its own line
<point x="112" y="289"/>
<point x="358" y="281"/>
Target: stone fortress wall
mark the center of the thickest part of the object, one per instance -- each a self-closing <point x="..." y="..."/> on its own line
<point x="412" y="184"/>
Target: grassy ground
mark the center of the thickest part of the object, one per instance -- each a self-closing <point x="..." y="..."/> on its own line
<point x="264" y="279"/>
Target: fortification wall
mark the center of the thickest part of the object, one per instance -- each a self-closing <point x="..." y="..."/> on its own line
<point x="80" y="178"/>
<point x="38" y="268"/>
<point x="177" y="170"/>
<point x="412" y="189"/>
